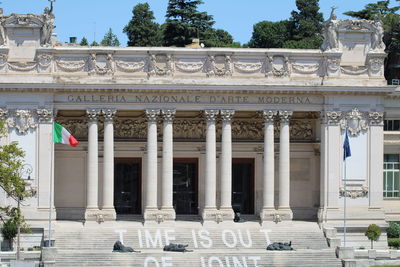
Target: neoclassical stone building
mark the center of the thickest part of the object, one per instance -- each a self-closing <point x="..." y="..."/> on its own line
<point x="170" y="133"/>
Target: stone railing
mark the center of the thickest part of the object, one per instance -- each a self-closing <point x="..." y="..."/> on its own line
<point x="367" y="257"/>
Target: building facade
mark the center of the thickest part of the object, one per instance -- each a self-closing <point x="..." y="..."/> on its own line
<point x="167" y="133"/>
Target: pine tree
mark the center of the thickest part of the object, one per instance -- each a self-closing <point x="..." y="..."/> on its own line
<point x="141" y="29"/>
<point x="110" y="39"/>
<point x="184" y="22"/>
<point x="84" y="42"/>
<point x="305" y="25"/>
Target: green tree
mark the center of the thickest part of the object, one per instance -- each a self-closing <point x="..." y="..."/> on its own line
<point x="373" y="233"/>
<point x="184" y="22"/>
<point x="11" y="162"/>
<point x="305" y="25"/>
<point x="218" y="38"/>
<point x="94" y="43"/>
<point x="391" y="21"/>
<point x="141" y="29"/>
<point x="268" y="34"/>
<point x="84" y="42"/>
<point x="110" y="39"/>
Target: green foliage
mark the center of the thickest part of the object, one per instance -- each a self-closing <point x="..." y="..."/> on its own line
<point x="305" y="25"/>
<point x="84" y="42"/>
<point x="110" y="39"/>
<point x="301" y="31"/>
<point x="371" y="10"/>
<point x="217" y="38"/>
<point x="394" y="243"/>
<point x="9" y="230"/>
<point x="393" y="230"/>
<point x="373" y="233"/>
<point x="141" y="29"/>
<point x="184" y="22"/>
<point x="268" y="34"/>
<point x="94" y="43"/>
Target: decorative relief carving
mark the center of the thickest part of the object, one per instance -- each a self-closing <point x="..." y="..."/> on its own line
<point x="23" y="120"/>
<point x="247" y="130"/>
<point x="100" y="64"/>
<point x="168" y="115"/>
<point x="375" y="65"/>
<point x="77" y="127"/>
<point x="190" y="67"/>
<point x="45" y="115"/>
<point x="355" y="122"/>
<point x="133" y="65"/>
<point x="22" y="66"/>
<point x="44" y="61"/>
<point x="353" y="191"/>
<point x="248" y="67"/>
<point x="279" y="66"/>
<point x="301" y="130"/>
<point x="189" y="129"/>
<point x="375" y="118"/>
<point x="3" y="114"/>
<point x="71" y="64"/>
<point x="160" y="65"/>
<point x="354" y="70"/>
<point x="306" y="68"/>
<point x="219" y="66"/>
<point x="130" y="128"/>
<point x="3" y="60"/>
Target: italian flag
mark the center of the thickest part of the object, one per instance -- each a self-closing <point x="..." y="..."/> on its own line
<point x="62" y="136"/>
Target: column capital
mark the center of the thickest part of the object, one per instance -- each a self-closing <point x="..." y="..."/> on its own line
<point x="227" y="114"/>
<point x="211" y="114"/>
<point x="269" y="115"/>
<point x="285" y="115"/>
<point x="168" y="115"/>
<point x="332" y="117"/>
<point x="109" y="114"/>
<point x="152" y="114"/>
<point x="3" y="113"/>
<point x="375" y="118"/>
<point x="45" y="115"/>
<point x="93" y="114"/>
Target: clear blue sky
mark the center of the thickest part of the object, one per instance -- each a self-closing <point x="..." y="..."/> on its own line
<point x="94" y="17"/>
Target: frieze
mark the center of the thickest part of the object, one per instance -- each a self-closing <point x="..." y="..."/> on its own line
<point x="71" y="64"/>
<point x="131" y="65"/>
<point x="160" y="65"/>
<point x="187" y="99"/>
<point x="249" y="67"/>
<point x="353" y="192"/>
<point x="189" y="67"/>
<point x="22" y="120"/>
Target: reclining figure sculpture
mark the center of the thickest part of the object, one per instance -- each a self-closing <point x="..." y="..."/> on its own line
<point x="280" y="246"/>
<point x="176" y="248"/>
<point x="119" y="247"/>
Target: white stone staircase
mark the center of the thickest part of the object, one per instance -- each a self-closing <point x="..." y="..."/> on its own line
<point x="221" y="245"/>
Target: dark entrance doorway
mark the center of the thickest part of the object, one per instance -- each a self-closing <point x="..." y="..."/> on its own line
<point x="127" y="185"/>
<point x="243" y="185"/>
<point x="185" y="186"/>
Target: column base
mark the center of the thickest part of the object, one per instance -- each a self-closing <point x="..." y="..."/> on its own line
<point x="226" y="213"/>
<point x="210" y="214"/>
<point x="285" y="213"/>
<point x="92" y="214"/>
<point x="268" y="214"/>
<point x="108" y="214"/>
<point x="153" y="214"/>
<point x="168" y="213"/>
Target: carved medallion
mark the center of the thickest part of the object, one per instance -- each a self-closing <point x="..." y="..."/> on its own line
<point x="354" y="122"/>
<point x="23" y="120"/>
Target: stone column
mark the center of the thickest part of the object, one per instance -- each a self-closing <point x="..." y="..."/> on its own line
<point x="108" y="210"/>
<point x="284" y="166"/>
<point x="269" y="166"/>
<point x="376" y="161"/>
<point x="92" y="207"/>
<point x="150" y="207"/>
<point x="226" y="165"/>
<point x="167" y="165"/>
<point x="210" y="207"/>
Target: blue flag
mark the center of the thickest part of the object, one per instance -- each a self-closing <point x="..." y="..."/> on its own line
<point x="346" y="147"/>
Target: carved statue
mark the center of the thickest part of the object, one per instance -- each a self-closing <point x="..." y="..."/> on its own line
<point x="377" y="35"/>
<point x="176" y="248"/>
<point x="280" y="246"/>
<point x="3" y="39"/>
<point x="119" y="247"/>
<point x="330" y="32"/>
<point x="48" y="26"/>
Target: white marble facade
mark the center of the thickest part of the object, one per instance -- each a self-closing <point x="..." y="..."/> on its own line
<point x="286" y="110"/>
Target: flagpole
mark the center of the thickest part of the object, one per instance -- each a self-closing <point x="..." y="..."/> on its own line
<point x="51" y="180"/>
<point x="344" y="202"/>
